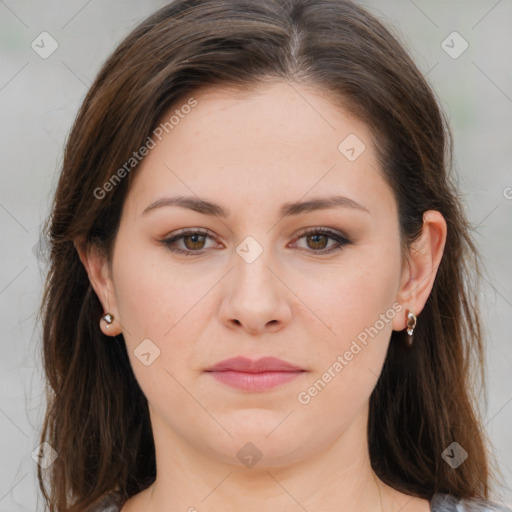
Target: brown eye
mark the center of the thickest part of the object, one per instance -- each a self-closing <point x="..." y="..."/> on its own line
<point x="193" y="241"/>
<point x="317" y="241"/>
<point x="196" y="241"/>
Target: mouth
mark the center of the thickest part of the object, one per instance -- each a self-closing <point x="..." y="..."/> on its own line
<point x="254" y="375"/>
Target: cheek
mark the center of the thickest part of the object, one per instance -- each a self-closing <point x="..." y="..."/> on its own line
<point x="358" y="309"/>
<point x="348" y="361"/>
<point x="161" y="301"/>
<point x="352" y="296"/>
<point x="150" y="291"/>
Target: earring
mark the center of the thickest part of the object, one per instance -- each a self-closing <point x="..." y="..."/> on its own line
<point x="109" y="318"/>
<point x="410" y="324"/>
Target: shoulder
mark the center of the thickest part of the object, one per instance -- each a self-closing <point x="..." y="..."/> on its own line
<point x="448" y="503"/>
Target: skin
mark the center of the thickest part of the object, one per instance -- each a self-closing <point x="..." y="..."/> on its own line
<point x="250" y="152"/>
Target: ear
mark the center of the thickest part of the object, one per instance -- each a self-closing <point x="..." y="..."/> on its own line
<point x="97" y="267"/>
<point x="421" y="267"/>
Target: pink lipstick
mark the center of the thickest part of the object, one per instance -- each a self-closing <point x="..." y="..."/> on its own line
<point x="254" y="375"/>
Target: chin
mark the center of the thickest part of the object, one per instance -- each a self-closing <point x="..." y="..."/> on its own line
<point x="262" y="447"/>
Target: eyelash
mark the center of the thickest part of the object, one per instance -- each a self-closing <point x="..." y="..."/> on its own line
<point x="337" y="237"/>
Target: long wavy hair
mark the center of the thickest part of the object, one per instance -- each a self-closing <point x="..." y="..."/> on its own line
<point x="427" y="395"/>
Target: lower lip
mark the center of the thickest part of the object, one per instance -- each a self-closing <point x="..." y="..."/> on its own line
<point x="254" y="381"/>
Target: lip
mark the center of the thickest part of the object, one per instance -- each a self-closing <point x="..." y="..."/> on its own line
<point x="264" y="364"/>
<point x="254" y="375"/>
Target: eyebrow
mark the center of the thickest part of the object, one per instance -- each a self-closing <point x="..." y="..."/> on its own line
<point x="287" y="209"/>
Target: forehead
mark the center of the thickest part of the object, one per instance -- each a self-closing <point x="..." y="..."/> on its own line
<point x="278" y="111"/>
<point x="273" y="137"/>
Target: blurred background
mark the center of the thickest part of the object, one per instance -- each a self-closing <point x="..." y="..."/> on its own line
<point x="50" y="52"/>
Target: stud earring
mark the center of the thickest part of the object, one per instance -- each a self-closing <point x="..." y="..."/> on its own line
<point x="109" y="318"/>
<point x="410" y="324"/>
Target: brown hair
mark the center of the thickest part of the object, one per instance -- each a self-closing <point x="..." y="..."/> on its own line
<point x="97" y="416"/>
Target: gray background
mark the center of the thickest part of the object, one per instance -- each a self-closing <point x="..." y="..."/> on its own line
<point x="39" y="99"/>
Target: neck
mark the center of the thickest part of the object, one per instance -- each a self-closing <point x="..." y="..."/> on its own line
<point x="339" y="477"/>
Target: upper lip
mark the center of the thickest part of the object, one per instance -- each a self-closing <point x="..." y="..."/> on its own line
<point x="264" y="364"/>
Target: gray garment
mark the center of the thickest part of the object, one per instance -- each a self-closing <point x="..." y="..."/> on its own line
<point x="439" y="503"/>
<point x="109" y="503"/>
<point x="448" y="503"/>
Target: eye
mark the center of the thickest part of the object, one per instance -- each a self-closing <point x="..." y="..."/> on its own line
<point x="193" y="239"/>
<point x="318" y="240"/>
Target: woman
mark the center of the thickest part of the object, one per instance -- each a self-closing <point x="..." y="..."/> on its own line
<point x="258" y="287"/>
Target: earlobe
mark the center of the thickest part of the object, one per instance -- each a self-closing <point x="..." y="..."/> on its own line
<point x="96" y="266"/>
<point x="424" y="258"/>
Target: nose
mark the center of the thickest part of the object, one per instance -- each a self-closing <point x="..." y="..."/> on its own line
<point x="256" y="298"/>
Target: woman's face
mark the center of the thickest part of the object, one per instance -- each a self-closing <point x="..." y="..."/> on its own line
<point x="256" y="285"/>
